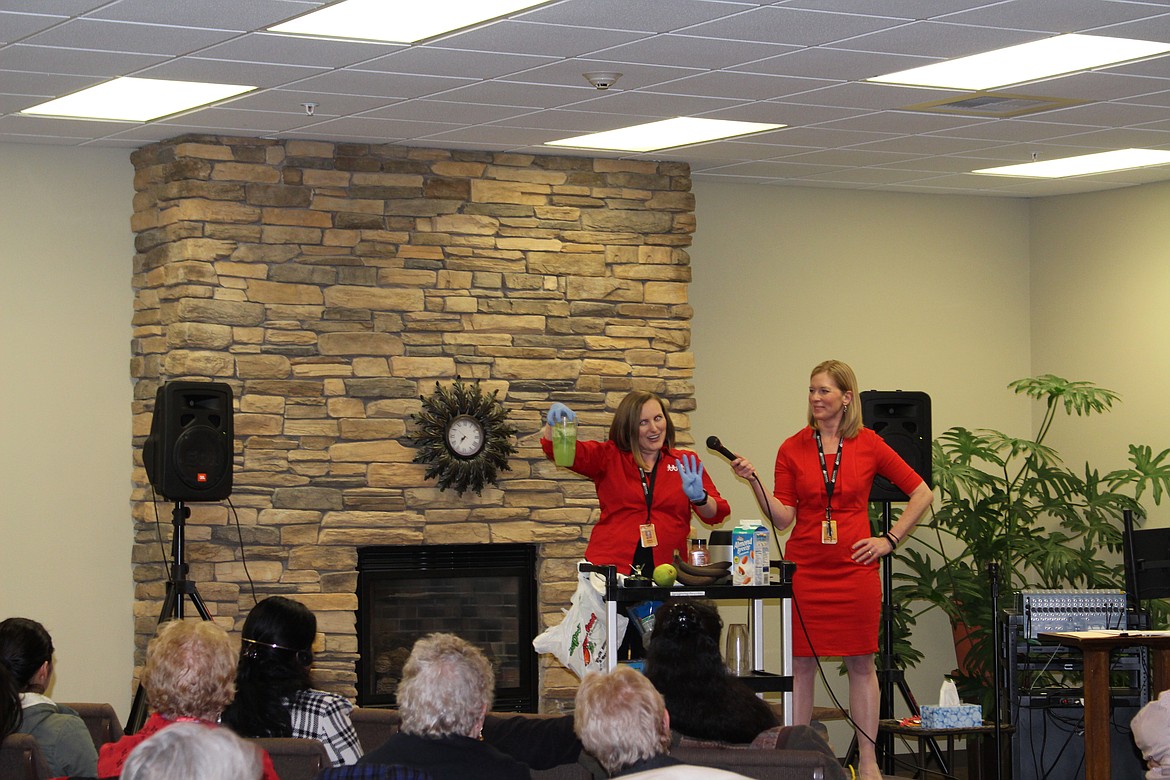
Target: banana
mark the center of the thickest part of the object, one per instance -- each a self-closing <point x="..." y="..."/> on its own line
<point x="714" y="574"/>
<point x="690" y="579"/>
<point x="711" y="570"/>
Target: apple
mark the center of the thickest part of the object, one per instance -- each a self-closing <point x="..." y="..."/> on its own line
<point x="664" y="575"/>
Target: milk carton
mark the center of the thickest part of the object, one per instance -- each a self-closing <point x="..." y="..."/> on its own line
<point x="763" y="552"/>
<point x="744" y="570"/>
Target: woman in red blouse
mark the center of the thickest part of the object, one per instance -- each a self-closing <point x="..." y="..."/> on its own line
<point x="647" y="489"/>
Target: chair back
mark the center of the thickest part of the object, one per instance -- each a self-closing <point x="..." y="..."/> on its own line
<point x="374" y="725"/>
<point x="294" y="758"/>
<point x="100" y="719"/>
<point x="21" y="759"/>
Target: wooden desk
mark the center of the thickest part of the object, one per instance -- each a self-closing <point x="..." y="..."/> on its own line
<point x="1095" y="647"/>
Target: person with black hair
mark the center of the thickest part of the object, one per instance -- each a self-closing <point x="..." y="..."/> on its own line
<point x="26" y="664"/>
<point x="274" y="693"/>
<point x="703" y="698"/>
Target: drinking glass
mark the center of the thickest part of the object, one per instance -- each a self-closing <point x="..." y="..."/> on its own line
<point x="564" y="441"/>
<point x="739" y="650"/>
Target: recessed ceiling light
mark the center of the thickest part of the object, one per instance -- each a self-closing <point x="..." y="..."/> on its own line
<point x="1083" y="165"/>
<point x="136" y="100"/>
<point x="664" y="134"/>
<point x="379" y="20"/>
<point x="1027" y="62"/>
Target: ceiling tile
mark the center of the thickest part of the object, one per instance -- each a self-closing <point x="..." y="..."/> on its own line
<point x="74" y="62"/>
<point x="544" y="39"/>
<point x="792" y="26"/>
<point x="691" y="51"/>
<point x="129" y="37"/>
<point x="14" y="27"/>
<point x="741" y="86"/>
<point x="214" y="14"/>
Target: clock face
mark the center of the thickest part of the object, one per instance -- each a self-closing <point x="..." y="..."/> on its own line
<point x="465" y="436"/>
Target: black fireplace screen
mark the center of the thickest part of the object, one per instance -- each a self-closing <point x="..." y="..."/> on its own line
<point x="484" y="593"/>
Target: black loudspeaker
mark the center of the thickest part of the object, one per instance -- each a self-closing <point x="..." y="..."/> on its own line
<point x="902" y="419"/>
<point x="188" y="454"/>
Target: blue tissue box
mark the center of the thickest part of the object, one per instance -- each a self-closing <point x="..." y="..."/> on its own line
<point x="964" y="716"/>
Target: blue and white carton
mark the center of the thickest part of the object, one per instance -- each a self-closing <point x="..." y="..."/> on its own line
<point x="749" y="554"/>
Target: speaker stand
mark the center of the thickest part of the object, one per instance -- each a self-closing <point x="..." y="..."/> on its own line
<point x="891" y="676"/>
<point x="179" y="587"/>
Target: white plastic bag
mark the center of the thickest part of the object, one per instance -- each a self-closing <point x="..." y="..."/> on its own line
<point x="579" y="641"/>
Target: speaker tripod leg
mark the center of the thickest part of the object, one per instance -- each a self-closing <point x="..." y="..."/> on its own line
<point x="178" y="588"/>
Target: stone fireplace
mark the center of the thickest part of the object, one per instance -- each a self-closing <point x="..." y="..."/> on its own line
<point x="330" y="285"/>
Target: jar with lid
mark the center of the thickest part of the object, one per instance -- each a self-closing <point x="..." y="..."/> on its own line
<point x="700" y="553"/>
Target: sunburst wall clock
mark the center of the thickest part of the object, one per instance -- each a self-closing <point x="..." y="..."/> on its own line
<point x="463" y="436"/>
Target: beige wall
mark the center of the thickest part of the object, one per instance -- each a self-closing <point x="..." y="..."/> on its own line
<point x="919" y="293"/>
<point x="65" y="464"/>
<point x="1101" y="313"/>
<point x="915" y="292"/>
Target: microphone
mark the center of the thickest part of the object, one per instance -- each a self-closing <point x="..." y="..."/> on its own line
<point x="713" y="443"/>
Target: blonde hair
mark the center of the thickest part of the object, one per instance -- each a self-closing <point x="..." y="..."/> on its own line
<point x="619" y="718"/>
<point x="842" y="376"/>
<point x="190" y="670"/>
<point x="447" y="686"/>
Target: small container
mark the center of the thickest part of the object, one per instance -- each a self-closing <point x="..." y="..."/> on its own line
<point x="700" y="554"/>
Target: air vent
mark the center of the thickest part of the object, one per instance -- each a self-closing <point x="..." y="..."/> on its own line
<point x="993" y="105"/>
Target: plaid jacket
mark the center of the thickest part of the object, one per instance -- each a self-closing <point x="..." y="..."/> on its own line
<point x="325" y="717"/>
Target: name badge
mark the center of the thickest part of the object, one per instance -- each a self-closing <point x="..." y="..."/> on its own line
<point x="828" y="532"/>
<point x="649" y="536"/>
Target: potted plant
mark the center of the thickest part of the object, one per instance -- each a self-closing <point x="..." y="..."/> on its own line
<point x="1012" y="501"/>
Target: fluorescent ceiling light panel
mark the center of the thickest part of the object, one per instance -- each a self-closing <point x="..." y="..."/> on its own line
<point x="1083" y="165"/>
<point x="136" y="100"/>
<point x="665" y="134"/>
<point x="382" y="20"/>
<point x="1027" y="62"/>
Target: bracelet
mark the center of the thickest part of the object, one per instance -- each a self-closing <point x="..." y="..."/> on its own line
<point x="702" y="501"/>
<point x="893" y="540"/>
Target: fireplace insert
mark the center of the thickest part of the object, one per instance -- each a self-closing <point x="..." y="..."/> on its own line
<point x="485" y="593"/>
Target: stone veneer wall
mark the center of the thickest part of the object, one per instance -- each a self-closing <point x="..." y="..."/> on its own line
<point x="330" y="285"/>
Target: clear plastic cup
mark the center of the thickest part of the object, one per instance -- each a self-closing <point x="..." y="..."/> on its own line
<point x="739" y="650"/>
<point x="564" y="441"/>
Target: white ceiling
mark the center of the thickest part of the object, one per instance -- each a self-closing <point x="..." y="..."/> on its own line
<point x="516" y="83"/>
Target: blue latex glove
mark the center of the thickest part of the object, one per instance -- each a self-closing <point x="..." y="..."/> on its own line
<point x="557" y="412"/>
<point x="691" y="471"/>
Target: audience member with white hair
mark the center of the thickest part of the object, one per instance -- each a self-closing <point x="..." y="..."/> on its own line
<point x="194" y="752"/>
<point x="622" y="721"/>
<point x="1151" y="732"/>
<point x="446" y="690"/>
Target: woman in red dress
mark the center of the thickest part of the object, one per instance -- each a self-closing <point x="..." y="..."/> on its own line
<point x="824" y="475"/>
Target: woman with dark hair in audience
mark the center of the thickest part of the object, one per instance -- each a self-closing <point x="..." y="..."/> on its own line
<point x="26" y="664"/>
<point x="704" y="699"/>
<point x="274" y="693"/>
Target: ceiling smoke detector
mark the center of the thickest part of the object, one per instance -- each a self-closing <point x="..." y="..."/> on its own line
<point x="602" y="79"/>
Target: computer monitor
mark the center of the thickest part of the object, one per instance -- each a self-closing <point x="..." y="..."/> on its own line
<point x="1147" y="562"/>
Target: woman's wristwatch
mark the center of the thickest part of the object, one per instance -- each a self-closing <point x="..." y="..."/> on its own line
<point x="701" y="501"/>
